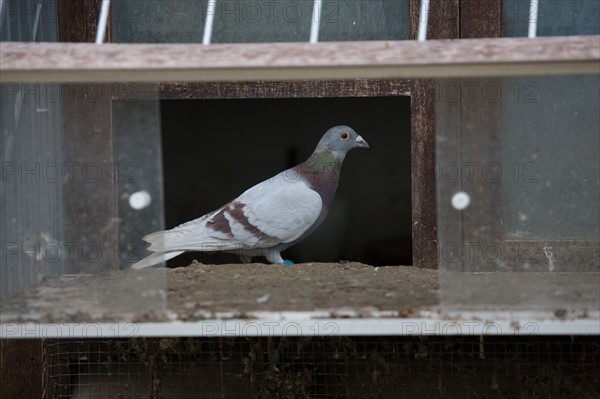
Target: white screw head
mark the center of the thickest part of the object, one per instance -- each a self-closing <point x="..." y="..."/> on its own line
<point x="140" y="199"/>
<point x="460" y="200"/>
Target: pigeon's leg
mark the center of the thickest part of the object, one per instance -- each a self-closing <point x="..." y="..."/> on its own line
<point x="245" y="258"/>
<point x="274" y="256"/>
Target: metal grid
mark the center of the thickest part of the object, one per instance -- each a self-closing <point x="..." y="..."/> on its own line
<point x="332" y="367"/>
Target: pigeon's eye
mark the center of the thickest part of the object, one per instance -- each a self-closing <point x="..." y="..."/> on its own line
<point x="344" y="135"/>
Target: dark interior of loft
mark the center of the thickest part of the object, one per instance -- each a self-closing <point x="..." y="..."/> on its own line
<point x="213" y="150"/>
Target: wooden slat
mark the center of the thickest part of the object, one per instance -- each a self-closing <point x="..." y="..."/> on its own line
<point x="21" y="368"/>
<point x="79" y="62"/>
<point x="444" y="23"/>
<point x="91" y="205"/>
<point x="78" y="20"/>
<point x="480" y="18"/>
<point x="443" y="19"/>
<point x="424" y="205"/>
<point x="282" y="89"/>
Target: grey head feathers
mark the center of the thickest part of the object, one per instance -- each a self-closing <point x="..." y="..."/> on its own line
<point x="340" y="140"/>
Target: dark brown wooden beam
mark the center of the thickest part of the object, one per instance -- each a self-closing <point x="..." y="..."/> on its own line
<point x="443" y="24"/>
<point x="78" y="20"/>
<point x="424" y="205"/>
<point x="443" y="19"/>
<point x="285" y="89"/>
<point x="90" y="202"/>
<point x="480" y="19"/>
<point x="21" y="368"/>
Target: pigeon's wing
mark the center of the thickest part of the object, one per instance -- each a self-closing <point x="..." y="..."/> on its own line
<point x="276" y="214"/>
<point x="268" y="214"/>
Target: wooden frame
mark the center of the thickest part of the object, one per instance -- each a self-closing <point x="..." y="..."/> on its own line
<point x="84" y="62"/>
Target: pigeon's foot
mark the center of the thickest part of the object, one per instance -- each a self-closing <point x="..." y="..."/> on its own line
<point x="288" y="262"/>
<point x="274" y="256"/>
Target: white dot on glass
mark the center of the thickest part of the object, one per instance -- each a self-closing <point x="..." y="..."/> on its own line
<point x="460" y="200"/>
<point x="140" y="199"/>
<point x="522" y="217"/>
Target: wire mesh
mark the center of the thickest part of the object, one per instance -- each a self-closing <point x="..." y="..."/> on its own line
<point x="331" y="367"/>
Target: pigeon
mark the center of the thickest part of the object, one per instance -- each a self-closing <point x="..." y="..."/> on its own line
<point x="269" y="217"/>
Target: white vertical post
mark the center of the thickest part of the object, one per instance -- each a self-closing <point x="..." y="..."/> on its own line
<point x="1" y="12"/>
<point x="211" y="10"/>
<point x="102" y="21"/>
<point x="533" y="18"/>
<point x="36" y="22"/>
<point x="423" y="19"/>
<point x="316" y="21"/>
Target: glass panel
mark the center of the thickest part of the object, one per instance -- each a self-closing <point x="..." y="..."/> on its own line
<point x="550" y="133"/>
<point x="237" y="21"/>
<point x="28" y="21"/>
<point x="72" y="157"/>
<point x="158" y="21"/>
<point x="555" y="17"/>
<point x="278" y="21"/>
<point x="30" y="207"/>
<point x="518" y="173"/>
<point x="364" y="20"/>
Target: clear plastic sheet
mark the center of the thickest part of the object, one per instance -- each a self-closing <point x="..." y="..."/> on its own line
<point x="518" y="176"/>
<point x="81" y="184"/>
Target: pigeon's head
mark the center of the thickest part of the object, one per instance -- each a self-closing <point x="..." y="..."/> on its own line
<point x="341" y="139"/>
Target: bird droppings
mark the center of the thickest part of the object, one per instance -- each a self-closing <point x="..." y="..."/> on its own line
<point x="324" y="290"/>
<point x="348" y="286"/>
<point x="548" y="252"/>
<point x="263" y="299"/>
<point x="201" y="291"/>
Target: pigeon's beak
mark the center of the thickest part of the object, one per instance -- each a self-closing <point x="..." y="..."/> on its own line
<point x="362" y="142"/>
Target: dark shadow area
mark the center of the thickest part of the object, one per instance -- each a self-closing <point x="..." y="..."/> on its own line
<point x="213" y="150"/>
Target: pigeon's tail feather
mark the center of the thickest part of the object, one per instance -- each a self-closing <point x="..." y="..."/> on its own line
<point x="155" y="259"/>
<point x="190" y="236"/>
